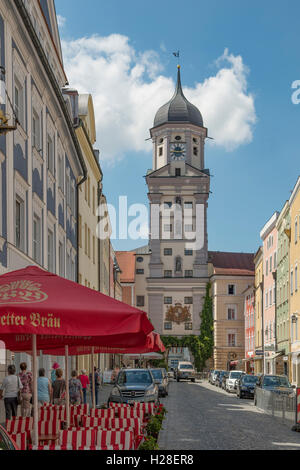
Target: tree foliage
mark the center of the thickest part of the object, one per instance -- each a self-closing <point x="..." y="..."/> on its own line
<point x="200" y="346"/>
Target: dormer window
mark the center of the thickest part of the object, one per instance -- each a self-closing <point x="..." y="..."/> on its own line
<point x="178" y="137"/>
<point x="161" y="141"/>
<point x="160" y="151"/>
<point x="195" y="140"/>
<point x="195" y="151"/>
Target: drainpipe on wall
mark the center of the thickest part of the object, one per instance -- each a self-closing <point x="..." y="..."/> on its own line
<point x="274" y="274"/>
<point x="261" y="285"/>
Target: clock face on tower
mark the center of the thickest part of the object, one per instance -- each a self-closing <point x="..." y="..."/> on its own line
<point x="177" y="151"/>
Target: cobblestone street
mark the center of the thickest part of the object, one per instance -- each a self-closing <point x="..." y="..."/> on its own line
<point x="201" y="416"/>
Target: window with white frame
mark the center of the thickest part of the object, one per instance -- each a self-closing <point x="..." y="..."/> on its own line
<point x="19" y="101"/>
<point x="51" y="260"/>
<point x="61" y="172"/>
<point x="270" y="297"/>
<point x="72" y="197"/>
<point x="231" y="289"/>
<point x="231" y="312"/>
<point x="50" y="154"/>
<point x="270" y="264"/>
<point x="296" y="278"/>
<point x="267" y="299"/>
<point x="20" y="223"/>
<point x="267" y="270"/>
<point x="68" y="265"/>
<point x="68" y="184"/>
<point x="61" y="258"/>
<point x="37" y="239"/>
<point x="36" y="130"/>
<point x="231" y="338"/>
<point x="292" y="282"/>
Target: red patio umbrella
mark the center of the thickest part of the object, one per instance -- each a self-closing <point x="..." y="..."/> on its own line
<point x="34" y="301"/>
<point x="50" y="311"/>
<point x="153" y="343"/>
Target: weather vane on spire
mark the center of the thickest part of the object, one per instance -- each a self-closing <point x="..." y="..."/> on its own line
<point x="176" y="54"/>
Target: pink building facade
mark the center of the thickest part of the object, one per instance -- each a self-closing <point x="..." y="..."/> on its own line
<point x="249" y="330"/>
<point x="268" y="236"/>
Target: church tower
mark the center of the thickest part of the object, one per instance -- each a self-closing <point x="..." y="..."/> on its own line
<point x="178" y="191"/>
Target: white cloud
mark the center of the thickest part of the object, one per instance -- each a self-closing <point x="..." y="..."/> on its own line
<point x="129" y="87"/>
<point x="61" y="21"/>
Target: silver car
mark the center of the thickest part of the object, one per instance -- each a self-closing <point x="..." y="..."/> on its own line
<point x="134" y="385"/>
<point x="161" y="379"/>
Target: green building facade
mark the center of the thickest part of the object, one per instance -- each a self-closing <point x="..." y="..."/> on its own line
<point x="282" y="291"/>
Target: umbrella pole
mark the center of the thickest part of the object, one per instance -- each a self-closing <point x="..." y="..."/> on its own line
<point x="67" y="385"/>
<point x="93" y="380"/>
<point x="35" y="394"/>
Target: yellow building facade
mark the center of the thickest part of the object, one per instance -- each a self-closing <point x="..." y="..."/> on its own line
<point x="258" y="319"/>
<point x="294" y="203"/>
<point x="88" y="199"/>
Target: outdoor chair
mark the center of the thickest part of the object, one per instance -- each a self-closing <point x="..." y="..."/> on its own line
<point x="18" y="425"/>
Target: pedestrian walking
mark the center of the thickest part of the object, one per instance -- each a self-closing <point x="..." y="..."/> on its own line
<point x="75" y="389"/>
<point x="53" y="372"/>
<point x="11" y="386"/>
<point x="85" y="383"/>
<point x="26" y="392"/>
<point x="44" y="388"/>
<point x="59" y="388"/>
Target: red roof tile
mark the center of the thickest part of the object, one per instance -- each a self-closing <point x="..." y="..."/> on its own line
<point x="126" y="261"/>
<point x="236" y="264"/>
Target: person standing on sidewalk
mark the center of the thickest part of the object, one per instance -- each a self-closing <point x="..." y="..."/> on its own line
<point x="85" y="383"/>
<point x="75" y="389"/>
<point x="59" y="389"/>
<point x="53" y="372"/>
<point x="97" y="384"/>
<point x="26" y="392"/>
<point x="11" y="386"/>
<point x="44" y="388"/>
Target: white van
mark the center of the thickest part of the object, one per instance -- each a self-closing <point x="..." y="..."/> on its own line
<point x="185" y="370"/>
<point x="234" y="375"/>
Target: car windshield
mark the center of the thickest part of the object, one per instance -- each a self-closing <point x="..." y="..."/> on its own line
<point x="157" y="373"/>
<point x="276" y="381"/>
<point x="250" y="379"/>
<point x="134" y="377"/>
<point x="185" y="366"/>
<point x="235" y="375"/>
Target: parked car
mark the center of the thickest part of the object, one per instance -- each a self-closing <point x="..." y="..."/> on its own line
<point x="234" y="375"/>
<point x="6" y="442"/>
<point x="214" y="376"/>
<point x="210" y="376"/>
<point x="219" y="378"/>
<point x="246" y="385"/>
<point x="224" y="378"/>
<point x="161" y="379"/>
<point x="274" y="383"/>
<point x="185" y="370"/>
<point x="134" y="385"/>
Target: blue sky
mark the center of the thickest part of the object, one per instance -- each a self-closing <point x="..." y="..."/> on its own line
<point x="253" y="179"/>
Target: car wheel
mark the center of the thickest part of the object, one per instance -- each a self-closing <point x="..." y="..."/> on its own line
<point x="193" y="380"/>
<point x="178" y="380"/>
<point x="255" y="402"/>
